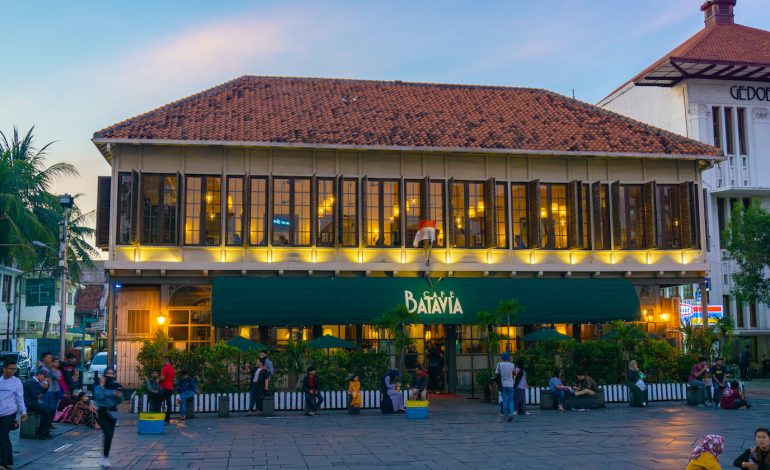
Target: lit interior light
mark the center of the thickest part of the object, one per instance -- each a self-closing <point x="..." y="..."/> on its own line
<point x="395" y="211"/>
<point x="209" y="198"/>
<point x="480" y="207"/>
<point x="664" y="317"/>
<point x="161" y="319"/>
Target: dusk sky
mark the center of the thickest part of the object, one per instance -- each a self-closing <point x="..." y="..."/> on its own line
<point x="72" y="68"/>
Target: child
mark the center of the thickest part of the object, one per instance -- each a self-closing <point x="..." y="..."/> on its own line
<point x="418" y="392"/>
<point x="707" y="381"/>
<point x="354" y="391"/>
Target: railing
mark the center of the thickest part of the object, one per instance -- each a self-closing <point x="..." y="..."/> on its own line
<point x="338" y="399"/>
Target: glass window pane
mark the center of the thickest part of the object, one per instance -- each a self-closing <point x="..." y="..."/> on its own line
<point x="213" y="225"/>
<point x="301" y="217"/>
<point x="350" y="212"/>
<point x="632" y="217"/>
<point x="391" y="214"/>
<point x="668" y="216"/>
<point x="258" y="211"/>
<point x="729" y="133"/>
<point x="476" y="215"/>
<point x="412" y="207"/>
<point x="234" y="222"/>
<point x="519" y="215"/>
<point x="373" y="213"/>
<point x="742" y="132"/>
<point x="281" y="211"/>
<point x="717" y="126"/>
<point x="501" y="216"/>
<point x="125" y="186"/>
<point x="151" y="208"/>
<point x="458" y="214"/>
<point x="326" y="212"/>
<point x="192" y="225"/>
<point x="436" y="209"/>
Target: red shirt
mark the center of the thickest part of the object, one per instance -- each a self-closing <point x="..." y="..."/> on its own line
<point x="168" y="373"/>
<point x="729" y="396"/>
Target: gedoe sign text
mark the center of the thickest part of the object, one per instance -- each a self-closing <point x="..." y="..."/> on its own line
<point x="433" y="303"/>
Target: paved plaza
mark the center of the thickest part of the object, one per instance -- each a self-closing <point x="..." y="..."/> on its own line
<point x="460" y="433"/>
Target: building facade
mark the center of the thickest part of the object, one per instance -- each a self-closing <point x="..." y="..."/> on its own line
<point x="282" y="208"/>
<point x="715" y="88"/>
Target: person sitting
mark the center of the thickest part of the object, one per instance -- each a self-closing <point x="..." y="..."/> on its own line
<point x="311" y="385"/>
<point x="83" y="412"/>
<point x="757" y="457"/>
<point x="636" y="385"/>
<point x="586" y="386"/>
<point x="354" y="392"/>
<point x="64" y="408"/>
<point x="187" y="389"/>
<point x="697" y="377"/>
<point x="559" y="390"/>
<point x="732" y="398"/>
<point x="34" y="391"/>
<point x="419" y="392"/>
<point x="153" y="392"/>
<point x="705" y="455"/>
<point x="390" y="388"/>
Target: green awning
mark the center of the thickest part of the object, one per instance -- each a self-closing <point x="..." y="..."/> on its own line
<point x="298" y="301"/>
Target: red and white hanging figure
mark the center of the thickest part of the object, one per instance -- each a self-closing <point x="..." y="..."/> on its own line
<point x="426" y="233"/>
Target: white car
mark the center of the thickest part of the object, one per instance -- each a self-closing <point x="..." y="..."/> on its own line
<point x="97" y="366"/>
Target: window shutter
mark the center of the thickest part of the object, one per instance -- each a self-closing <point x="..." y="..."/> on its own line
<point x="705" y="196"/>
<point x="574" y="240"/>
<point x="617" y="242"/>
<point x="364" y="212"/>
<point x="490" y="218"/>
<point x="650" y="234"/>
<point x="686" y="215"/>
<point x="338" y="211"/>
<point x="135" y="206"/>
<point x="103" y="192"/>
<point x="596" y="207"/>
<point x="533" y="213"/>
<point x="450" y="226"/>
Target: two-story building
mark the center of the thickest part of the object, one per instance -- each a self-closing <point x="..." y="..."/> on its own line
<point x="286" y="208"/>
<point x="715" y="88"/>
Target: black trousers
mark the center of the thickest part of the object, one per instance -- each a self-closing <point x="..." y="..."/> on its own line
<point x="46" y="417"/>
<point x="166" y="397"/>
<point x="154" y="400"/>
<point x="6" y="450"/>
<point x="107" y="423"/>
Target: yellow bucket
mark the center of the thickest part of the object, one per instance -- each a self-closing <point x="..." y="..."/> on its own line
<point x="152" y="416"/>
<point x="417" y="403"/>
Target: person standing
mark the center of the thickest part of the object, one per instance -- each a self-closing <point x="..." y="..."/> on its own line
<point x="70" y="371"/>
<point x="744" y="361"/>
<point x="757" y="457"/>
<point x="51" y="397"/>
<point x="719" y="378"/>
<point x="520" y="389"/>
<point x="505" y="370"/>
<point x="153" y="392"/>
<point x="167" y="376"/>
<point x="11" y="403"/>
<point x="260" y="386"/>
<point x="108" y="395"/>
<point x="34" y="392"/>
<point x="187" y="389"/>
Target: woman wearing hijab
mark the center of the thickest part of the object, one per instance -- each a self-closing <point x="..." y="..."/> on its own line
<point x="393" y="390"/>
<point x="758" y="457"/>
<point x="705" y="456"/>
<point x="108" y="394"/>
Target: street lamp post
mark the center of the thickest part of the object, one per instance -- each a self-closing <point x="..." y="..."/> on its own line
<point x="66" y="201"/>
<point x="8" y="308"/>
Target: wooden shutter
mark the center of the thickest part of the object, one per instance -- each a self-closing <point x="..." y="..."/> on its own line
<point x="103" y="193"/>
<point x="136" y="218"/>
<point x="364" y="210"/>
<point x="533" y="213"/>
<point x="650" y="232"/>
<point x="450" y="225"/>
<point x="617" y="242"/>
<point x="490" y="216"/>
<point x="574" y="240"/>
<point x="596" y="208"/>
<point x="686" y="204"/>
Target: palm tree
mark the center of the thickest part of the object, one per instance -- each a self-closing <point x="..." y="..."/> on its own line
<point x="505" y="313"/>
<point x="25" y="184"/>
<point x="394" y="321"/>
<point x="724" y="328"/>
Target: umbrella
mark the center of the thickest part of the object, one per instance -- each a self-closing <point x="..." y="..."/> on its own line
<point x="545" y="335"/>
<point x="246" y="344"/>
<point x="329" y="342"/>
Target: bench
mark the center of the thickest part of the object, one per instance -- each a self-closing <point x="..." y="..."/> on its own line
<point x="586" y="402"/>
<point x="28" y="428"/>
<point x="547" y="401"/>
<point x="189" y="412"/>
<point x="694" y="395"/>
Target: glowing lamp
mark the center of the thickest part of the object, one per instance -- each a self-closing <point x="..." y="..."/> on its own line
<point x="161" y="320"/>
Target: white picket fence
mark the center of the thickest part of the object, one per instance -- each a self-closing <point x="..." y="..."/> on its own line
<point x="338" y="400"/>
<point x="284" y="401"/>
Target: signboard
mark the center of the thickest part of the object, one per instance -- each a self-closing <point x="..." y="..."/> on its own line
<point x="750" y="93"/>
<point x="693" y="314"/>
<point x="40" y="291"/>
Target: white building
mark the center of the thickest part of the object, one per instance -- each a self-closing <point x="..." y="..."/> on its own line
<point x="715" y="87"/>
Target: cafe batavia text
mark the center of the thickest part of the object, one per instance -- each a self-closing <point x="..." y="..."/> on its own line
<point x="433" y="303"/>
<point x="750" y="93"/>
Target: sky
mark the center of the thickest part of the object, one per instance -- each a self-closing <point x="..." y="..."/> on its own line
<point x="72" y="68"/>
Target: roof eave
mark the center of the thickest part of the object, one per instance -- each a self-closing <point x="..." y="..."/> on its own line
<point x="103" y="144"/>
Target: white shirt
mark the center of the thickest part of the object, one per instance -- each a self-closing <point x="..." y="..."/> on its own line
<point x="505" y="369"/>
<point x="11" y="396"/>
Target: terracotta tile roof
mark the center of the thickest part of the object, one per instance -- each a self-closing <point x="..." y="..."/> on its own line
<point x="340" y="113"/>
<point x="88" y="299"/>
<point x="735" y="51"/>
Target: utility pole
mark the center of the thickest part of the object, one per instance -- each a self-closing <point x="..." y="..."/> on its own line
<point x="66" y="201"/>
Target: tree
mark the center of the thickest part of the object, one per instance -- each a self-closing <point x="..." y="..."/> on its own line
<point x="627" y="336"/>
<point x="747" y="242"/>
<point x="504" y="314"/>
<point x="724" y="329"/>
<point x="697" y="340"/>
<point x="393" y="321"/>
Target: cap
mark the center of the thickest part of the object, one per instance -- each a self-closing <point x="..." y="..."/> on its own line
<point x="505" y="356"/>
